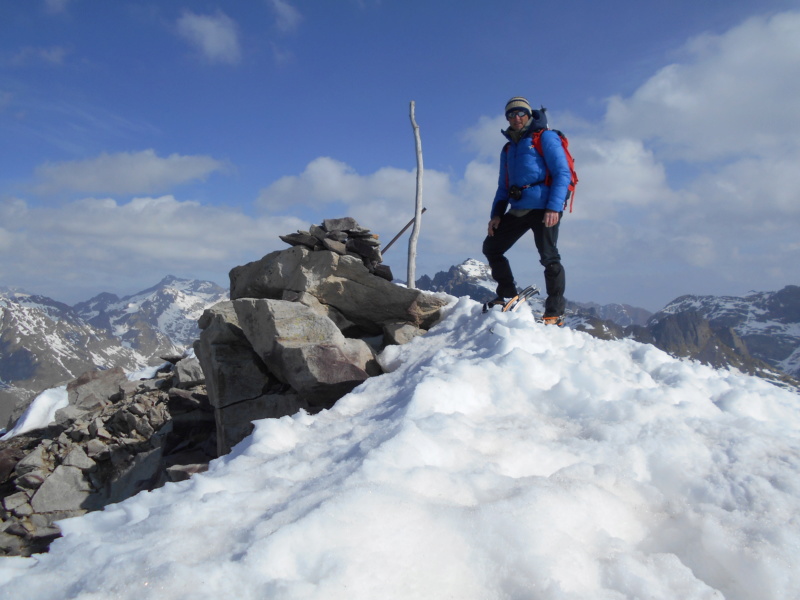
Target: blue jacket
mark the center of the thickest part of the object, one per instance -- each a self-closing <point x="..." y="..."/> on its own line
<point x="521" y="165"/>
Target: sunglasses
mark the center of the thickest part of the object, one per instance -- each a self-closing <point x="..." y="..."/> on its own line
<point x="518" y="113"/>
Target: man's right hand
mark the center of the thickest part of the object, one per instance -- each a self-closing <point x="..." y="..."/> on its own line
<point x="493" y="224"/>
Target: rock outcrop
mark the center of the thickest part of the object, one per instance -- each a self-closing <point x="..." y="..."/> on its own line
<point x="114" y="439"/>
<point x="303" y="326"/>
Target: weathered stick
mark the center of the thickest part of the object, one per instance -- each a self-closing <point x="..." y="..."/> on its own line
<point x="412" y="241"/>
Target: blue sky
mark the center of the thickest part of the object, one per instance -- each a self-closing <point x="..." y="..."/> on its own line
<point x="140" y="139"/>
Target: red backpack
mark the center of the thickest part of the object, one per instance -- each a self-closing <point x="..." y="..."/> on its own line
<point x="536" y="140"/>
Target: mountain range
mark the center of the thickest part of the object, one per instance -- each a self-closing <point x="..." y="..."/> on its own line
<point x="44" y="343"/>
<point x="758" y="333"/>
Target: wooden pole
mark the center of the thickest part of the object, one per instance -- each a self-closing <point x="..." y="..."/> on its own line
<point x="412" y="241"/>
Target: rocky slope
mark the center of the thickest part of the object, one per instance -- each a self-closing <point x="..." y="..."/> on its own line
<point x="112" y="439"/>
<point x="621" y="314"/>
<point x="301" y="329"/>
<point x="44" y="343"/>
<point x="767" y="322"/>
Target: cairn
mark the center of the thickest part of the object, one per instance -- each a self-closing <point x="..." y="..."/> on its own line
<point x="345" y="237"/>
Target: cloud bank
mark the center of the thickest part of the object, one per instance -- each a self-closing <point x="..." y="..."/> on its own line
<point x="125" y="173"/>
<point x="688" y="185"/>
<point x="99" y="244"/>
<point x="692" y="176"/>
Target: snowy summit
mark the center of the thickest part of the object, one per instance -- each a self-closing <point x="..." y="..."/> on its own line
<point x="496" y="459"/>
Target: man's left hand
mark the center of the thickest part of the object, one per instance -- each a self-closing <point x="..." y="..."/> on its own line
<point x="550" y="218"/>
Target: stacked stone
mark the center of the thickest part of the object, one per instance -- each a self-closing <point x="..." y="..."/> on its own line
<point x="114" y="439"/>
<point x="345" y="237"/>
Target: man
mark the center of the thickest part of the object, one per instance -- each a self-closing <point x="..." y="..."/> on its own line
<point x="528" y="200"/>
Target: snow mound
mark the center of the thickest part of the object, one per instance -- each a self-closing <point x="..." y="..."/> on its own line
<point x="496" y="459"/>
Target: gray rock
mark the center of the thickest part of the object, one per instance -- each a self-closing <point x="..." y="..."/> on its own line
<point x="342" y="282"/>
<point x="188" y="373"/>
<point x="267" y="277"/>
<point x="153" y="385"/>
<point x="122" y="422"/>
<point x="184" y="472"/>
<point x="67" y="415"/>
<point x="339" y="236"/>
<point x="128" y="388"/>
<point x="66" y="489"/>
<point x="34" y="461"/>
<point x="43" y="526"/>
<point x="32" y="480"/>
<point x="342" y="224"/>
<point x="79" y="459"/>
<point x="233" y="370"/>
<point x="18" y="503"/>
<point x="235" y="422"/>
<point x="91" y="390"/>
<point x="23" y="510"/>
<point x="318" y="232"/>
<point x="346" y="326"/>
<point x="94" y="388"/>
<point x="303" y="349"/>
<point x="134" y="472"/>
<point x="11" y="545"/>
<point x="384" y="272"/>
<point x="334" y="246"/>
<point x="301" y="238"/>
<point x="95" y="448"/>
<point x="183" y="401"/>
<point x="400" y="333"/>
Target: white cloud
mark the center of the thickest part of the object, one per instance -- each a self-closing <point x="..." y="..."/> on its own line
<point x="125" y="173"/>
<point x="385" y="200"/>
<point x="616" y="174"/>
<point x="736" y="93"/>
<point x="326" y="180"/>
<point x="287" y="16"/>
<point x="484" y="138"/>
<point x="93" y="245"/>
<point x="5" y="239"/>
<point x="645" y="229"/>
<point x="216" y="36"/>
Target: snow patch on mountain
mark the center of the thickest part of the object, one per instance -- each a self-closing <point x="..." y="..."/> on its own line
<point x="171" y="308"/>
<point x="768" y="322"/>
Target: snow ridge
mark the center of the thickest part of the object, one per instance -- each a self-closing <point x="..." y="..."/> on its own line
<point x="496" y="458"/>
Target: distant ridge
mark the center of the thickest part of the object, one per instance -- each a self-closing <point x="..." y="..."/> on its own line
<point x="44" y="343"/>
<point x="758" y="333"/>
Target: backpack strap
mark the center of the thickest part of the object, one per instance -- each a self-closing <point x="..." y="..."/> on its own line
<point x="536" y="142"/>
<point x="505" y="149"/>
